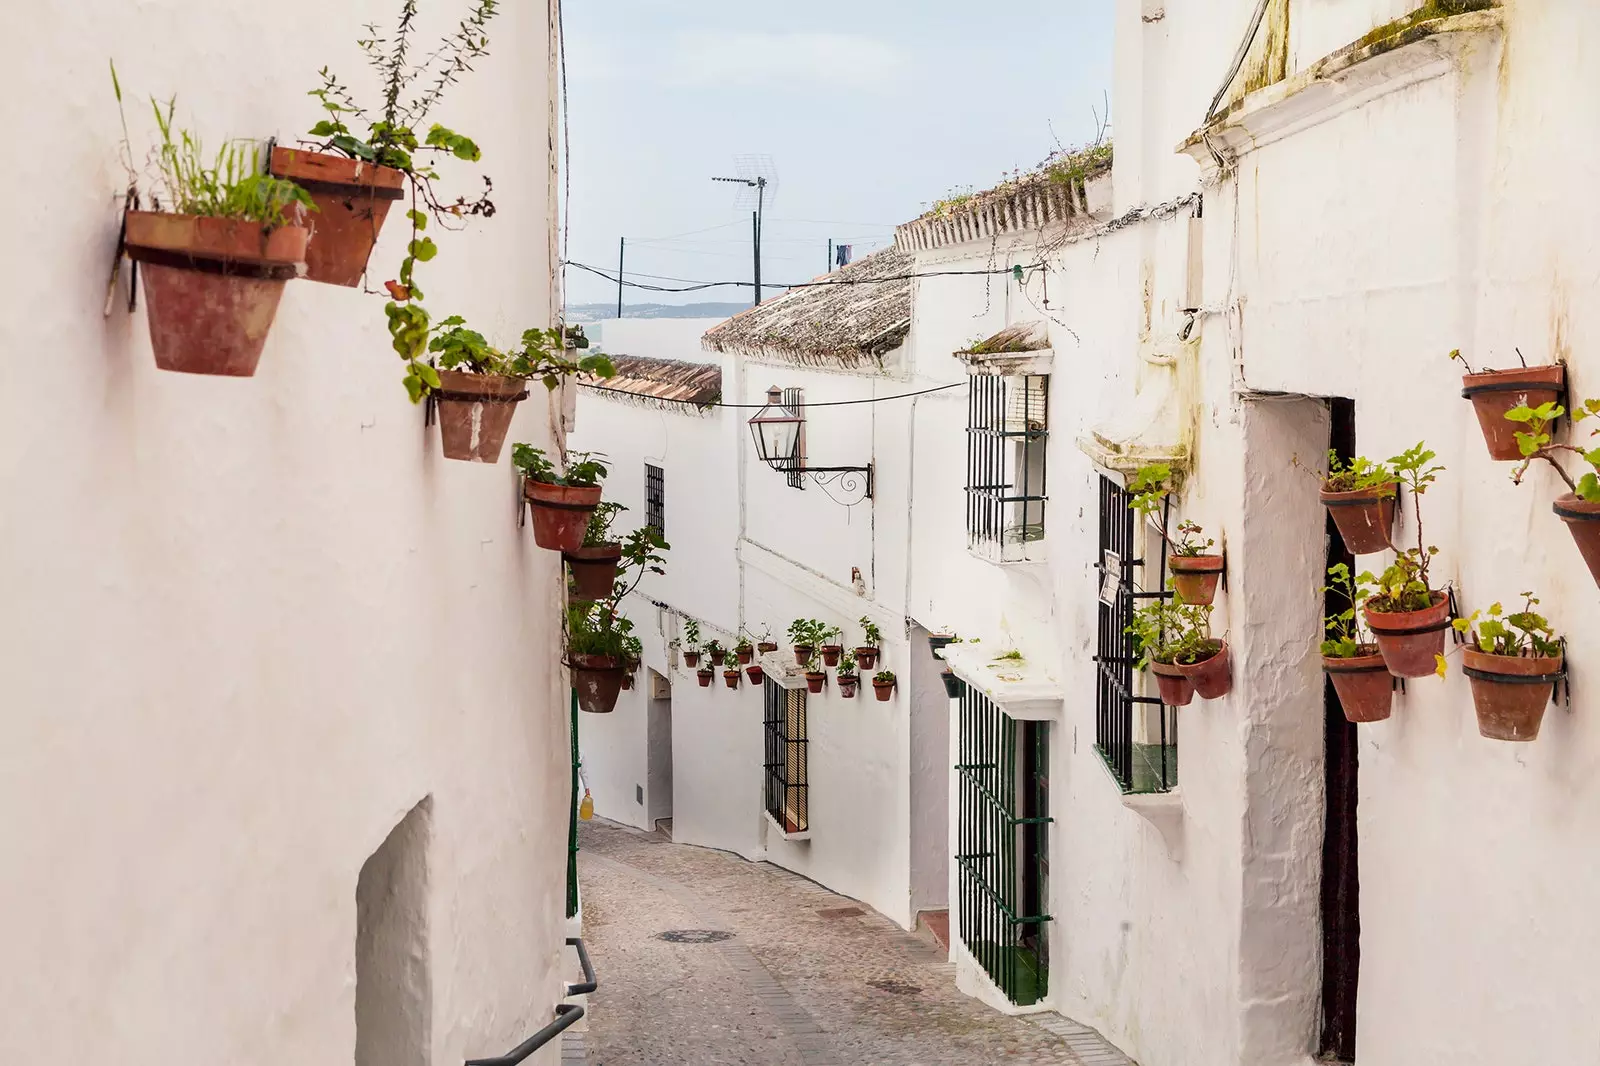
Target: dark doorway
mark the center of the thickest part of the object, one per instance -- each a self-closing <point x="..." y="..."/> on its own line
<point x="1341" y="887"/>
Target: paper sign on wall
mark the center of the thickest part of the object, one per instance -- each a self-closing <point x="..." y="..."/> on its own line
<point x="1110" y="578"/>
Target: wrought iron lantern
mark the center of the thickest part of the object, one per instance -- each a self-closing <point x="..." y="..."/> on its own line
<point x="776" y="429"/>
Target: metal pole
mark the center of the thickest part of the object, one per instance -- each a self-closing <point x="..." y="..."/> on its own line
<point x="755" y="236"/>
<point x="761" y="207"/>
<point x="830" y="256"/>
<point x="622" y="252"/>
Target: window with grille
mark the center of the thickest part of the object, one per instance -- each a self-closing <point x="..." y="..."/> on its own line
<point x="655" y="498"/>
<point x="1002" y="846"/>
<point x="1135" y="735"/>
<point x="795" y="400"/>
<point x="1007" y="429"/>
<point x="787" y="799"/>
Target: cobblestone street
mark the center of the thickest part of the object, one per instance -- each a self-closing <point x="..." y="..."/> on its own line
<point x="806" y="978"/>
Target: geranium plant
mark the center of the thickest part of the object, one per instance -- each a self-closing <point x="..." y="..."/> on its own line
<point x="1513" y="664"/>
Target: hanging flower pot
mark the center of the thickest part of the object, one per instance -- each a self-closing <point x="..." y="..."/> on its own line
<point x="691" y="659"/>
<point x="803" y="654"/>
<point x="730" y="677"/>
<point x="705" y="674"/>
<point x="1411" y="641"/>
<point x="594" y="570"/>
<point x="1510" y="693"/>
<point x="597" y="679"/>
<point x="1177" y="690"/>
<point x="212" y="287"/>
<point x="1364" y="684"/>
<point x="883" y="685"/>
<point x="867" y="657"/>
<point x="560" y="513"/>
<point x="475" y="413"/>
<point x="1212" y="677"/>
<point x="847" y="685"/>
<point x="1196" y="577"/>
<point x="766" y="646"/>
<point x="755" y="674"/>
<point x="627" y="682"/>
<point x="1494" y="392"/>
<point x="953" y="685"/>
<point x="815" y="679"/>
<point x="831" y="653"/>
<point x="937" y="642"/>
<point x="1582" y="519"/>
<point x="352" y="198"/>
<point x="1364" y="517"/>
<point x="715" y="653"/>
<point x="745" y="654"/>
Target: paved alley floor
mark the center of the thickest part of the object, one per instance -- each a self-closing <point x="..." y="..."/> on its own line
<point x="806" y="978"/>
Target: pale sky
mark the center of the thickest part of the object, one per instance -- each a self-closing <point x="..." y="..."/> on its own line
<point x="870" y="110"/>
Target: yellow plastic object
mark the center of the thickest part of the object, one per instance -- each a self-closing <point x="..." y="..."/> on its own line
<point x="586" y="808"/>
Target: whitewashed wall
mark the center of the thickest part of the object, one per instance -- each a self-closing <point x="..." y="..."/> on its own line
<point x="249" y="624"/>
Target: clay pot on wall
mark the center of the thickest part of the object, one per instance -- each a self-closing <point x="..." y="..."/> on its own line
<point x="691" y="659"/>
<point x="847" y="685"/>
<point x="867" y="657"/>
<point x="594" y="570"/>
<point x="352" y="198"/>
<point x="803" y="654"/>
<point x="953" y="685"/>
<point x="560" y="513"/>
<point x="705" y="674"/>
<point x="730" y="677"/>
<point x="212" y="287"/>
<point x="1211" y="677"/>
<point x="1364" y="684"/>
<point x="1494" y="392"/>
<point x="1177" y="690"/>
<point x="717" y="657"/>
<point x="766" y="646"/>
<point x="755" y="674"/>
<point x="831" y="653"/>
<point x="1411" y="641"/>
<point x="475" y="413"/>
<point x="745" y="655"/>
<point x="1510" y="693"/>
<point x="1365" y="518"/>
<point x="1582" y="519"/>
<point x="883" y="690"/>
<point x="815" y="679"/>
<point x="1196" y="577"/>
<point x="937" y="642"/>
<point x="597" y="679"/>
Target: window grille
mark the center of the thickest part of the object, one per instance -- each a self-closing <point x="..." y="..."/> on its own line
<point x="1002" y="850"/>
<point x="1141" y="753"/>
<point x="787" y="798"/>
<point x="655" y="498"/>
<point x="1007" y="430"/>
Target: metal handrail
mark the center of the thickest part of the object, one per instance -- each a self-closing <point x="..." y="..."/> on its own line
<point x="566" y="1015"/>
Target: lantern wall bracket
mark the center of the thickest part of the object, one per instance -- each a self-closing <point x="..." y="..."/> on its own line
<point x="844" y="485"/>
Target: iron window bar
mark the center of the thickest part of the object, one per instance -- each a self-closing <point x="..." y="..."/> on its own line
<point x="567" y="1014"/>
<point x="787" y="787"/>
<point x="655" y="498"/>
<point x="1006" y="460"/>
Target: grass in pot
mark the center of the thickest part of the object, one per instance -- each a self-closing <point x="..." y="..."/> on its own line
<point x="1513" y="663"/>
<point x="1354" y="665"/>
<point x="1407" y="616"/>
<point x="560" y="503"/>
<point x="594" y="565"/>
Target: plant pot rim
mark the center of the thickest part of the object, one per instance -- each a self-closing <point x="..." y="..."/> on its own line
<point x="1220" y="646"/>
<point x="1197" y="564"/>
<point x="1551" y="376"/>
<point x="577" y="661"/>
<point x="1371" y="662"/>
<point x="1534" y="667"/>
<point x="1403" y="622"/>
<point x="871" y="649"/>
<point x="312" y="167"/>
<point x="587" y="496"/>
<point x="598" y="553"/>
<point x="1570" y="507"/>
<point x="464" y="386"/>
<point x="1358" y="496"/>
<point x="833" y="647"/>
<point x="814" y="675"/>
<point x="885" y="684"/>
<point x="852" y="678"/>
<point x="766" y="646"/>
<point x="161" y="236"/>
<point x="807" y="647"/>
<point x="1166" y="669"/>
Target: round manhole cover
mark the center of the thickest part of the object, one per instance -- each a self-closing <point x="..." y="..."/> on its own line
<point x="694" y="936"/>
<point x="898" y="988"/>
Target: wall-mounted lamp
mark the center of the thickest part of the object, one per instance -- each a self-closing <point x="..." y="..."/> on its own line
<point x="776" y="429"/>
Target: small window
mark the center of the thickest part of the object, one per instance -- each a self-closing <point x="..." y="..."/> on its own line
<point x="1007" y="429"/>
<point x="787" y="799"/>
<point x="655" y="498"/>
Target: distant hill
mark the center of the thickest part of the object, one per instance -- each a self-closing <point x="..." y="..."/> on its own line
<point x="601" y="312"/>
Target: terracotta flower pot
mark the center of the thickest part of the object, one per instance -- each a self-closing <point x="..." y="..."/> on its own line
<point x="867" y="657"/>
<point x="937" y="642"/>
<point x="212" y="287"/>
<point x="1411" y="640"/>
<point x="815" y="680"/>
<point x="594" y="570"/>
<point x="352" y="198"/>
<point x="766" y="646"/>
<point x="831" y="653"/>
<point x="560" y="513"/>
<point x="716" y="657"/>
<point x="883" y="690"/>
<point x="1494" y="392"/>
<point x="1582" y="519"/>
<point x="691" y="659"/>
<point x="745" y="656"/>
<point x="730" y="678"/>
<point x="1364" y="684"/>
<point x="1196" y="577"/>
<point x="1365" y="519"/>
<point x="803" y="654"/>
<point x="1510" y="694"/>
<point x="475" y="413"/>
<point x="755" y="674"/>
<point x="597" y="679"/>
<point x="705" y="676"/>
<point x="1213" y="677"/>
<point x="1176" y="689"/>
<point x="953" y="685"/>
<point x="847" y="685"/>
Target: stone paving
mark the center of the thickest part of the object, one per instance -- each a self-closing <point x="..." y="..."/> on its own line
<point x="790" y="987"/>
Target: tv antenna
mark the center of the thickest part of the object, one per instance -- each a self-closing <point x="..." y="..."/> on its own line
<point x="758" y="181"/>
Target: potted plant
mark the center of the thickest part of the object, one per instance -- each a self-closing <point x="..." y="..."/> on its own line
<point x="1194" y="573"/>
<point x="1579" y="508"/>
<point x="217" y="251"/>
<point x="1360" y="495"/>
<point x="632" y="656"/>
<point x="1495" y="392"/>
<point x="871" y="642"/>
<point x="816" y="676"/>
<point x="715" y="652"/>
<point x="937" y="642"/>
<point x="1513" y="664"/>
<point x="1355" y="666"/>
<point x="599" y="639"/>
<point x="1174" y="640"/>
<point x="705" y="674"/>
<point x="847" y="676"/>
<point x="691" y="643"/>
<point x="745" y="650"/>
<point x="883" y="683"/>
<point x="953" y="685"/>
<point x="594" y="566"/>
<point x="560" y="503"/>
<point x="755" y="673"/>
<point x="1408" y="618"/>
<point x="352" y="179"/>
<point x="804" y="634"/>
<point x="730" y="674"/>
<point x="766" y="644"/>
<point x="831" y="646"/>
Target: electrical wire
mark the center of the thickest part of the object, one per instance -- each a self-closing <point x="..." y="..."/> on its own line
<point x="758" y="406"/>
<point x="696" y="286"/>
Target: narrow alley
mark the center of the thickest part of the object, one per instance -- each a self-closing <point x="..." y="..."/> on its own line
<point x="806" y="978"/>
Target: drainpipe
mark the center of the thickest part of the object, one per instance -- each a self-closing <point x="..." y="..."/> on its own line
<point x="911" y="504"/>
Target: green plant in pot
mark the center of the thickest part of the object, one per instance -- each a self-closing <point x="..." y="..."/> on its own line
<point x="599" y="638"/>
<point x="1407" y="616"/>
<point x="1195" y="573"/>
<point x="805" y="634"/>
<point x="715" y="652"/>
<point x="594" y="565"/>
<point x="705" y="675"/>
<point x="938" y="642"/>
<point x="1149" y="488"/>
<point x="560" y="503"/>
<point x="1513" y="664"/>
<point x="632" y="657"/>
<point x="871" y="644"/>
<point x="216" y="250"/>
<point x="1579" y="507"/>
<point x="816" y="676"/>
<point x="1360" y="495"/>
<point x="883" y="683"/>
<point x="1494" y="393"/>
<point x="1350" y="658"/>
<point x="766" y="644"/>
<point x="730" y="672"/>
<point x="691" y="643"/>
<point x="1173" y="639"/>
<point x="829" y="641"/>
<point x="745" y="650"/>
<point x="848" y="675"/>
